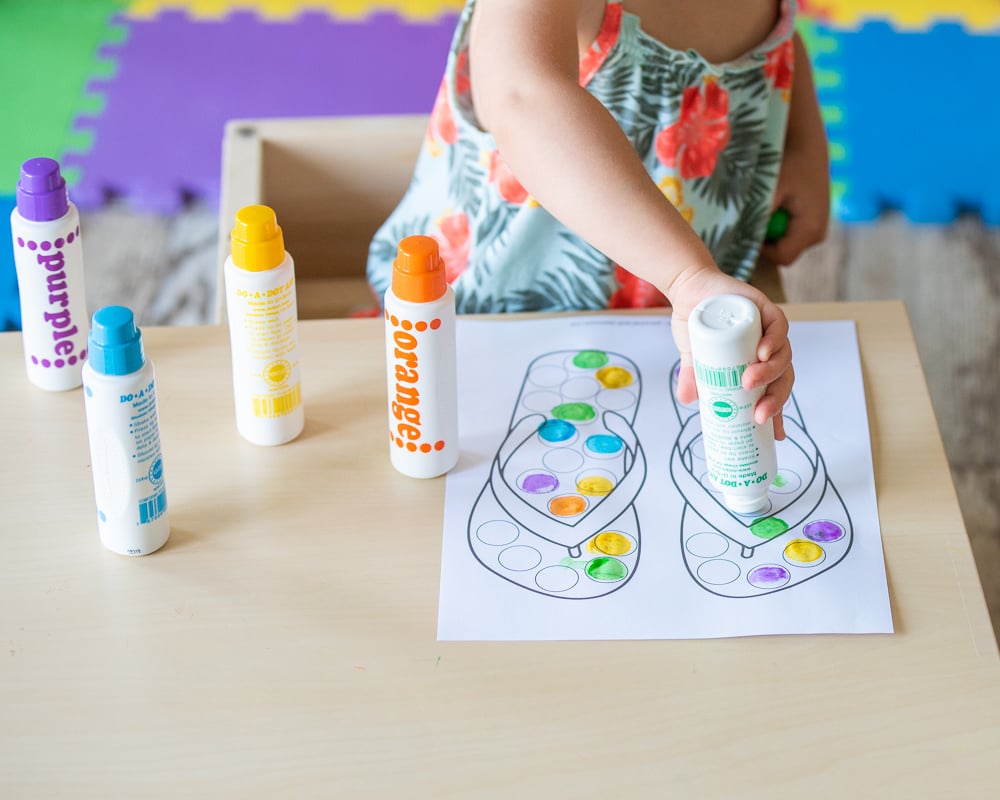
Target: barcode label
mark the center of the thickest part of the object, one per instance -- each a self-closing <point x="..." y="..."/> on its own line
<point x="152" y="507"/>
<point x="719" y="377"/>
<point x="279" y="405"/>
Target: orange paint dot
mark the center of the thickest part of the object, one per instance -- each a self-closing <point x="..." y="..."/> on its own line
<point x="567" y="505"/>
<point x="399" y="442"/>
<point x="407" y="325"/>
<point x="421" y="326"/>
<point x="394" y="320"/>
<point x="411" y="447"/>
<point x="386" y="313"/>
<point x="425" y="448"/>
<point x="439" y="445"/>
<point x="435" y="324"/>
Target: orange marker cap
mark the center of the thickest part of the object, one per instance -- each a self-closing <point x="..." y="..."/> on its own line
<point x="418" y="274"/>
<point x="256" y="241"/>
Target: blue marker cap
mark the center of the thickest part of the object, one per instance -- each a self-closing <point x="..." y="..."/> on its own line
<point x="114" y="346"/>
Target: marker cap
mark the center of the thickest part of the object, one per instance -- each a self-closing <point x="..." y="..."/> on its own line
<point x="418" y="274"/>
<point x="41" y="191"/>
<point x="257" y="242"/>
<point x="725" y="330"/>
<point x="114" y="345"/>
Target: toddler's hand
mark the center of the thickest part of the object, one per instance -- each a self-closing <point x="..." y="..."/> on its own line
<point x="803" y="190"/>
<point x="774" y="353"/>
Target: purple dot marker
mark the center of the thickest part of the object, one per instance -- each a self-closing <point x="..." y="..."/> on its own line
<point x="60" y="243"/>
<point x="71" y="237"/>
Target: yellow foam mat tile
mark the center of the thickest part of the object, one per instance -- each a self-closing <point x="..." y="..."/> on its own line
<point x="981" y="16"/>
<point x="288" y="9"/>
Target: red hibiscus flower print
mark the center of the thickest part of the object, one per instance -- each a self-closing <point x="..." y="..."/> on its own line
<point x="694" y="142"/>
<point x="607" y="36"/>
<point x="509" y="188"/>
<point x="454" y="243"/>
<point x="442" y="126"/>
<point x="634" y="292"/>
<point x="780" y="65"/>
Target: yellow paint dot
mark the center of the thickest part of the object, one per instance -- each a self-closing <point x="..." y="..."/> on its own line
<point x="613" y="377"/>
<point x="567" y="505"/>
<point x="594" y="485"/>
<point x="613" y="543"/>
<point x="802" y="551"/>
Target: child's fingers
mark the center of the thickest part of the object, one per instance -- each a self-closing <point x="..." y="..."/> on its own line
<point x="774" y="399"/>
<point x="687" y="390"/>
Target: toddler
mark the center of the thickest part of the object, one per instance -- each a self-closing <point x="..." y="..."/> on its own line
<point x="586" y="154"/>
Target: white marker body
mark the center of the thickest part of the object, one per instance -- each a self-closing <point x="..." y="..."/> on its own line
<point x="264" y="339"/>
<point x="422" y="385"/>
<point x="126" y="460"/>
<point x="725" y="331"/>
<point x="54" y="323"/>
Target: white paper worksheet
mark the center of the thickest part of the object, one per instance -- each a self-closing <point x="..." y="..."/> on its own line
<point x="580" y="507"/>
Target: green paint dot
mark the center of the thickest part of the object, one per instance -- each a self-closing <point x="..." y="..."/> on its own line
<point x="780" y="481"/>
<point x="574" y="412"/>
<point x="590" y="359"/>
<point x="768" y="527"/>
<point x="606" y="569"/>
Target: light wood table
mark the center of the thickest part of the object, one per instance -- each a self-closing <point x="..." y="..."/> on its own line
<point x="283" y="643"/>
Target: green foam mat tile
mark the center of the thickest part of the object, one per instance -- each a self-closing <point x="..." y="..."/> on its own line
<point x="48" y="52"/>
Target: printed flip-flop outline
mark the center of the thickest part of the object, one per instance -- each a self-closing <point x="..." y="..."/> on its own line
<point x="705" y="505"/>
<point x="505" y="514"/>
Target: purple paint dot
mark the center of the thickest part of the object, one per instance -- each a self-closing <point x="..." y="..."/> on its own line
<point x="769" y="576"/>
<point x="77" y="230"/>
<point x="72" y="360"/>
<point x="60" y="243"/>
<point x="34" y="359"/>
<point x="71" y="237"/>
<point x="46" y="363"/>
<point x="539" y="482"/>
<point x="823" y="530"/>
<point x="60" y="363"/>
<point x="46" y="245"/>
<point x="32" y="245"/>
<point x="20" y="242"/>
<point x="83" y="354"/>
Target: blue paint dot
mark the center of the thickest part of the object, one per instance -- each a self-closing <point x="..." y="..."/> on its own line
<point x="604" y="443"/>
<point x="556" y="430"/>
<point x="101" y="515"/>
<point x="87" y="390"/>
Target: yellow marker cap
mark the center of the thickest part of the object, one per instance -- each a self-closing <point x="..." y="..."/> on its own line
<point x="418" y="274"/>
<point x="256" y="241"/>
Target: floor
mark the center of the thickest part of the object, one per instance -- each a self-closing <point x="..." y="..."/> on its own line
<point x="164" y="268"/>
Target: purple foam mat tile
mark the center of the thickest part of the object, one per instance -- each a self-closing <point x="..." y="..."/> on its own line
<point x="158" y="139"/>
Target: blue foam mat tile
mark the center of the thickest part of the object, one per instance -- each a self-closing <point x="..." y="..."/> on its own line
<point x="10" y="304"/>
<point x="918" y="122"/>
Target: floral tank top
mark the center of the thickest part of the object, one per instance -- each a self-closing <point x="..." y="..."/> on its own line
<point x="710" y="135"/>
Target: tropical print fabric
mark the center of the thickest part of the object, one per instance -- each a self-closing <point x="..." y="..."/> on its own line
<point x="710" y="135"/>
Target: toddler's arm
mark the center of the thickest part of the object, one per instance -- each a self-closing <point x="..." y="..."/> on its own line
<point x="570" y="153"/>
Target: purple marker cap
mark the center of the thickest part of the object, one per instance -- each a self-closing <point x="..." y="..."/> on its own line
<point x="41" y="192"/>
